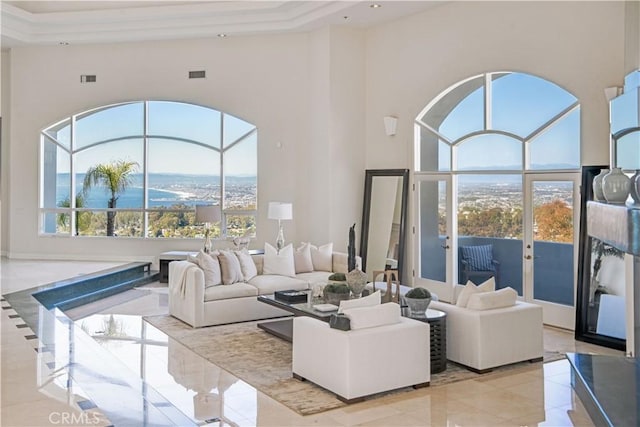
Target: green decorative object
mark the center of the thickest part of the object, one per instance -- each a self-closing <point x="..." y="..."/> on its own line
<point x="418" y="293"/>
<point x="334" y="293"/>
<point x="337" y="277"/>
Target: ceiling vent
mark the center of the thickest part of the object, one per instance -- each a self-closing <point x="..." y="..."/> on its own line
<point x="88" y="78"/>
<point x="202" y="74"/>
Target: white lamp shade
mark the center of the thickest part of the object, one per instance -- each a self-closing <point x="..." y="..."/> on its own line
<point x="208" y="213"/>
<point x="280" y="210"/>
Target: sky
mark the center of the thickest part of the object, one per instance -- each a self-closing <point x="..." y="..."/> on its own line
<point x="179" y="120"/>
<point x="520" y="104"/>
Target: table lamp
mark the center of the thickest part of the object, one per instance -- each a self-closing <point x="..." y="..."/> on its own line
<point x="280" y="211"/>
<point x="206" y="214"/>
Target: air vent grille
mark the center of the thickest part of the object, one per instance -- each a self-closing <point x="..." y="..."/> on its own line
<point x="201" y="74"/>
<point x="88" y="78"/>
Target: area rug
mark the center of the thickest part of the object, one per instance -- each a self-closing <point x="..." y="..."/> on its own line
<point x="264" y="362"/>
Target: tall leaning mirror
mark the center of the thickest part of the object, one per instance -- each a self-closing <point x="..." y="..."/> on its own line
<point x="384" y="218"/>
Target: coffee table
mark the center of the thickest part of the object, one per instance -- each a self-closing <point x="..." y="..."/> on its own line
<point x="284" y="328"/>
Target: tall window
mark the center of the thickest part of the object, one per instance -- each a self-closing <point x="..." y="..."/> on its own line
<point x="489" y="131"/>
<point x="168" y="156"/>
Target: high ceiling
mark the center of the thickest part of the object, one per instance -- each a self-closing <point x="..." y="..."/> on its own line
<point x="88" y="21"/>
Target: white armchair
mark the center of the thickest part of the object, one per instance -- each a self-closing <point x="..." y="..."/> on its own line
<point x="357" y="363"/>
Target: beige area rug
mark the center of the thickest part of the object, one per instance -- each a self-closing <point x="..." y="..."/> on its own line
<point x="264" y="361"/>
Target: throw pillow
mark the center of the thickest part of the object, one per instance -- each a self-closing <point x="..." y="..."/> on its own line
<point x="247" y="266"/>
<point x="368" y="301"/>
<point x="479" y="257"/>
<point x="471" y="288"/>
<point x="210" y="267"/>
<point x="279" y="263"/>
<point x="370" y="317"/>
<point x="230" y="266"/>
<point x="505" y="297"/>
<point x="322" y="257"/>
<point x="302" y="259"/>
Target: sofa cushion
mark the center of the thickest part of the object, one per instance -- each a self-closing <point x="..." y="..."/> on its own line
<point x="314" y="276"/>
<point x="230" y="267"/>
<point x="247" y="266"/>
<point x="280" y="263"/>
<point x="371" y="317"/>
<point x="471" y="288"/>
<point x="302" y="259"/>
<point x="478" y="257"/>
<point x="369" y="301"/>
<point x="322" y="257"/>
<point x="267" y="284"/>
<point x="236" y="290"/>
<point x="505" y="297"/>
<point x="210" y="267"/>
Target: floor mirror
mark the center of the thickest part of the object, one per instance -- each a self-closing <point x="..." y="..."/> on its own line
<point x="384" y="218"/>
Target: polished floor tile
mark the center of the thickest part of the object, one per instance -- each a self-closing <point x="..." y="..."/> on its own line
<point x="38" y="388"/>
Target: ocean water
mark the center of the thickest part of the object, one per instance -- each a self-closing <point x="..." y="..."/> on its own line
<point x="164" y="190"/>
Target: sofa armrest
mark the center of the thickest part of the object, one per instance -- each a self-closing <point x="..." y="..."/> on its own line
<point x="340" y="262"/>
<point x="186" y="292"/>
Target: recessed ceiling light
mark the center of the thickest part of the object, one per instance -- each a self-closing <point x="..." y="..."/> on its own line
<point x="63" y="43"/>
<point x="375" y="5"/>
<point x="346" y="18"/>
<point x="222" y="35"/>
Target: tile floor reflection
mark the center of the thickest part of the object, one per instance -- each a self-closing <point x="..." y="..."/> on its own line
<point x="101" y="364"/>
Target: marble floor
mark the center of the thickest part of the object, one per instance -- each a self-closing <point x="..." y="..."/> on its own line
<point x="101" y="365"/>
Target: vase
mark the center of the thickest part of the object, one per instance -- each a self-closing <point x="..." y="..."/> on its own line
<point x="418" y="307"/>
<point x="597" y="186"/>
<point x="357" y="281"/>
<point x="615" y="186"/>
<point x="634" y="187"/>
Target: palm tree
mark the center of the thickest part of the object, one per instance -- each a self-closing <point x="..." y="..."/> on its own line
<point x="115" y="177"/>
<point x="83" y="219"/>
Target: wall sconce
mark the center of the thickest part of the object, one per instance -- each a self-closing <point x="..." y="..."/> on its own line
<point x="390" y="124"/>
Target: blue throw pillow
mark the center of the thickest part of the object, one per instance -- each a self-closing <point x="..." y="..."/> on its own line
<point x="478" y="257"/>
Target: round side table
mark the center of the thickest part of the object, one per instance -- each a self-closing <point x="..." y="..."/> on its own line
<point x="438" y="338"/>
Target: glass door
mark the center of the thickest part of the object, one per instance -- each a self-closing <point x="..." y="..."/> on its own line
<point x="434" y="239"/>
<point x="550" y="246"/>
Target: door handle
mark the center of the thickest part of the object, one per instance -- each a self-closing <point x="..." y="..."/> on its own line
<point x="444" y="246"/>
<point x="528" y="257"/>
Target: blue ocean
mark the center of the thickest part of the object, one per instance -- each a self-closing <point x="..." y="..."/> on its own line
<point x="164" y="190"/>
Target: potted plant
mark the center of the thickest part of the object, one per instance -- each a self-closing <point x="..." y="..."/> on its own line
<point x="418" y="300"/>
<point x="334" y="293"/>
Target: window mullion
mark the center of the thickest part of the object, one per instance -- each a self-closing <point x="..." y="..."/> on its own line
<point x="72" y="176"/>
<point x="487" y="102"/>
<point x="223" y="149"/>
<point x="145" y="170"/>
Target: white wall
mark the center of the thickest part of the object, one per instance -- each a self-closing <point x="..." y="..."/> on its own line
<point x="577" y="45"/>
<point x="263" y="80"/>
<point x="322" y="95"/>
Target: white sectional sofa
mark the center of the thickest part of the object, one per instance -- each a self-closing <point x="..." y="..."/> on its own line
<point x="197" y="305"/>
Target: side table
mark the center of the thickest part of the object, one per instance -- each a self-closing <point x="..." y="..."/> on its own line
<point x="438" y="343"/>
<point x="166" y="257"/>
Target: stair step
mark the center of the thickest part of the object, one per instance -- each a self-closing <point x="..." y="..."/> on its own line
<point x="83" y="289"/>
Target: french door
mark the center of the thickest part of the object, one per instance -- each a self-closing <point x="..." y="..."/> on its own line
<point x="529" y="219"/>
<point x="551" y="245"/>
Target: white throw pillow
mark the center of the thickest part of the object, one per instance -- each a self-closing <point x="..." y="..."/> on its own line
<point x="210" y="267"/>
<point x="248" y="267"/>
<point x="279" y="263"/>
<point x="471" y="288"/>
<point x="322" y="257"/>
<point x="230" y="267"/>
<point x="370" y="317"/>
<point x="368" y="301"/>
<point x="302" y="259"/>
<point x="505" y="297"/>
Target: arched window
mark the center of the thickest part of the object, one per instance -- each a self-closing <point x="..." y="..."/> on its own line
<point x="174" y="155"/>
<point x="500" y="121"/>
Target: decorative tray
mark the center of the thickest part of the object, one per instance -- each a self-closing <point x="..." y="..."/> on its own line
<point x="291" y="296"/>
